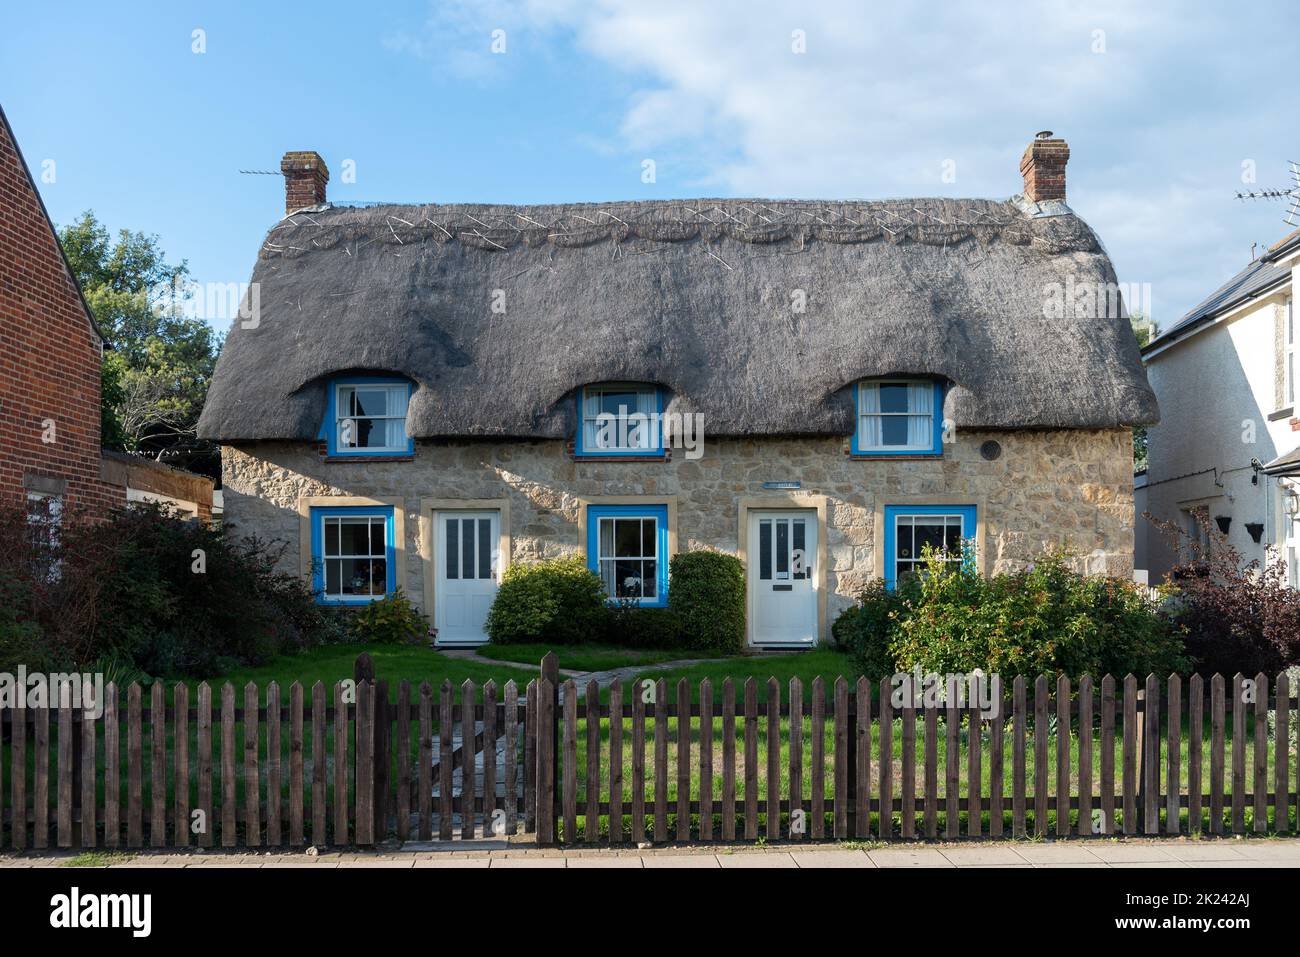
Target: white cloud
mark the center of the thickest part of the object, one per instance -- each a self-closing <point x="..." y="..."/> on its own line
<point x="887" y="92"/>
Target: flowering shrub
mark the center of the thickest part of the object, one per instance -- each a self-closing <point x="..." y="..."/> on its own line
<point x="1045" y="619"/>
<point x="1239" y="616"/>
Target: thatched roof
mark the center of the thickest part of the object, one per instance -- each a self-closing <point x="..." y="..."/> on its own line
<point x="696" y="296"/>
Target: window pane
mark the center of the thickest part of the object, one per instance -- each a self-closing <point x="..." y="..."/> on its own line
<point x="782" y="548"/>
<point x="453" y="549"/>
<point x="953" y="535"/>
<point x="354" y="536"/>
<point x="355" y="573"/>
<point x="893" y="397"/>
<point x="765" y="550"/>
<point x="930" y="534"/>
<point x="485" y="548"/>
<point x="903" y="538"/>
<point x="648" y="536"/>
<point x="607" y="538"/>
<point x="893" y="430"/>
<point x="627" y="537"/>
<point x="378" y="528"/>
<point x="331" y="536"/>
<point x="649" y="579"/>
<point x="371" y="401"/>
<point x="378" y="576"/>
<point x="618" y="403"/>
<point x="628" y="578"/>
<point x="803" y="559"/>
<point x="333" y="576"/>
<point x="467" y="554"/>
<point x="607" y="571"/>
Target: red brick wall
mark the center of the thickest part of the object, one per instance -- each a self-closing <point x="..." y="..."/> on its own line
<point x="49" y="354"/>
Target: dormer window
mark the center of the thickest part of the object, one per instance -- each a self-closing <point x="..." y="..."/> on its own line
<point x="899" y="417"/>
<point x="367" y="416"/>
<point x="620" y="419"/>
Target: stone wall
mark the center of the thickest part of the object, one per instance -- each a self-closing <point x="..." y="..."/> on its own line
<point x="1046" y="488"/>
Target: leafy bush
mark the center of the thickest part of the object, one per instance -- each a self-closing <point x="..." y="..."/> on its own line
<point x="1045" y="619"/>
<point x="559" y="601"/>
<point x="867" y="629"/>
<point x="1239" y="616"/>
<point x="707" y="592"/>
<point x="638" y="627"/>
<point x="391" y="620"/>
<point x="149" y="589"/>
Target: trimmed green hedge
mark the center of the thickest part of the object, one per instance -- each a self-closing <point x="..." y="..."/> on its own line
<point x="559" y="601"/>
<point x="707" y="593"/>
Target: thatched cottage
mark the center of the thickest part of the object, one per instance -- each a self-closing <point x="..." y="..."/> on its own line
<point x="419" y="395"/>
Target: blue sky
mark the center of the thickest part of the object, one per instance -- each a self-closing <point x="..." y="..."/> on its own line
<point x="1161" y="103"/>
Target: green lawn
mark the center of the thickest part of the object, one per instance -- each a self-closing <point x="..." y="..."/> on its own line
<point x="588" y="657"/>
<point x="392" y="663"/>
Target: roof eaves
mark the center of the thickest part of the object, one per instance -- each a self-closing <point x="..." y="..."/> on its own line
<point x="13" y="138"/>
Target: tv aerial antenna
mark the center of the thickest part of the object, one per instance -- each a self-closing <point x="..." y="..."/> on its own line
<point x="1292" y="195"/>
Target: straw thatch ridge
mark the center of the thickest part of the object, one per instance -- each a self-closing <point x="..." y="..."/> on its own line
<point x="499" y="313"/>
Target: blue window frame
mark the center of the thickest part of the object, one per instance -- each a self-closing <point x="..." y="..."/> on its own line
<point x="627" y="546"/>
<point x="909" y="528"/>
<point x="620" y="418"/>
<point x="353" y="556"/>
<point x="366" y="415"/>
<point x="898" y="417"/>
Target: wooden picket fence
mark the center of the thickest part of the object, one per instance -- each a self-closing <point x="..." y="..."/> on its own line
<point x="319" y="769"/>
<point x="1055" y="764"/>
<point x="354" y="765"/>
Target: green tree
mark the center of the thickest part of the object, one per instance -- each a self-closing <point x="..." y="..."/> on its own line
<point x="1144" y="330"/>
<point x="156" y="375"/>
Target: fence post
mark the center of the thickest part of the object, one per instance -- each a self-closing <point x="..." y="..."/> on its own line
<point x="547" y="732"/>
<point x="384" y="714"/>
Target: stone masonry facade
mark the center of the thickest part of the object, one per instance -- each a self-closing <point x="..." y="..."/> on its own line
<point x="1045" y="489"/>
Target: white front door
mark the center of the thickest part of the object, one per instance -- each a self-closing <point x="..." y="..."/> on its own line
<point x="782" y="579"/>
<point x="467" y="567"/>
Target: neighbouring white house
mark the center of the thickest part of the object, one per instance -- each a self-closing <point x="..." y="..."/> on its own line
<point x="1228" y="442"/>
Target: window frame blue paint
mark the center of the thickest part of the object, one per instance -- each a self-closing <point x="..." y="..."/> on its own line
<point x="936" y="444"/>
<point x="580" y="451"/>
<point x="329" y="428"/>
<point x="660" y="514"/>
<point x="318" y="515"/>
<point x="969" y="517"/>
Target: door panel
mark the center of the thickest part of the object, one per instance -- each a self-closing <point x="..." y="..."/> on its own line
<point x="466" y="575"/>
<point x="783" y="594"/>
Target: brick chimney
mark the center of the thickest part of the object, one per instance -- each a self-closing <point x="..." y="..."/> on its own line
<point x="1043" y="167"/>
<point x="305" y="176"/>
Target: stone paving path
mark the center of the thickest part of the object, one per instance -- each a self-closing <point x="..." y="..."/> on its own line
<point x="1232" y="853"/>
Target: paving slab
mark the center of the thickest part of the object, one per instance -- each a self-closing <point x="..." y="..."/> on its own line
<point x="1268" y="851"/>
<point x="976" y="856"/>
<point x="474" y="863"/>
<point x="909" y="857"/>
<point x="613" y="860"/>
<point x="1056" y="854"/>
<point x="1129" y="853"/>
<point x="811" y="859"/>
<point x="1207" y="852"/>
<point x="755" y="859"/>
<point x="680" y="860"/>
<point x="525" y="862"/>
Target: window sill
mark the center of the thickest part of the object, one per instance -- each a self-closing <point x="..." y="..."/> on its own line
<point x="657" y="457"/>
<point x="893" y="456"/>
<point x="1282" y="414"/>
<point x="332" y="459"/>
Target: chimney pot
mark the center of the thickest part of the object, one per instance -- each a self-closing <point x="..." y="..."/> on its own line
<point x="1043" y="167"/>
<point x="305" y="176"/>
